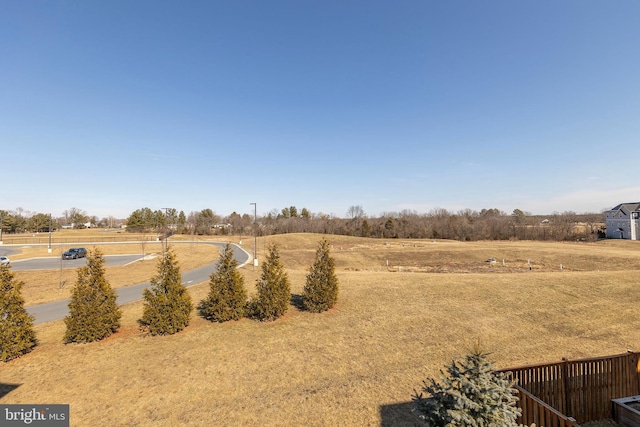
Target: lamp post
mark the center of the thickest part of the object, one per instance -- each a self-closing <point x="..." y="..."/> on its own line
<point x="0" y="227"/>
<point x="166" y="232"/>
<point x="255" y="234"/>
<point x="50" y="225"/>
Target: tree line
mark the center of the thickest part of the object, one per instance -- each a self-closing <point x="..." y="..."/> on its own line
<point x="22" y="221"/>
<point x="463" y="225"/>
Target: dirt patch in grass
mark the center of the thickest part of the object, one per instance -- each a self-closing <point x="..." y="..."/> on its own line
<point x="345" y="367"/>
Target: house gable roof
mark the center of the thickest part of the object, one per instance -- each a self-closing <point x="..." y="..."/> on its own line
<point x="627" y="207"/>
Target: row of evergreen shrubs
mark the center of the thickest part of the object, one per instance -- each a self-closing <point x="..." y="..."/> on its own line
<point x="227" y="298"/>
<point x="94" y="313"/>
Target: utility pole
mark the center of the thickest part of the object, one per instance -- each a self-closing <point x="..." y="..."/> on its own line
<point x="255" y="234"/>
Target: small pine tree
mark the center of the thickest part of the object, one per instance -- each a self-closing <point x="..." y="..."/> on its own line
<point x="93" y="311"/>
<point x="167" y="304"/>
<point x="274" y="290"/>
<point x="16" y="325"/>
<point x="321" y="288"/>
<point x="472" y="394"/>
<point x="227" y="297"/>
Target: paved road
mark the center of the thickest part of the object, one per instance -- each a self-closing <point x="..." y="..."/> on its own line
<point x="7" y="251"/>
<point x="53" y="263"/>
<point x="59" y="309"/>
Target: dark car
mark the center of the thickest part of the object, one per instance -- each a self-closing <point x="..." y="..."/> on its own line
<point x="74" y="253"/>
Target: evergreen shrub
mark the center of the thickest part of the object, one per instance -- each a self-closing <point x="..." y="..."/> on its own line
<point x="321" y="287"/>
<point x="167" y="303"/>
<point x="273" y="288"/>
<point x="16" y="325"/>
<point x="227" y="298"/>
<point x="470" y="394"/>
<point x="93" y="311"/>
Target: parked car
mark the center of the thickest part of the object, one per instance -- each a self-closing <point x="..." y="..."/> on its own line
<point x="75" y="253"/>
<point x="4" y="260"/>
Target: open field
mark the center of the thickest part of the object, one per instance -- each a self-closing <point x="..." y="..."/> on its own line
<point x="359" y="363"/>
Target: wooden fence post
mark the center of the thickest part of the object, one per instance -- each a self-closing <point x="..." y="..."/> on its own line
<point x="568" y="410"/>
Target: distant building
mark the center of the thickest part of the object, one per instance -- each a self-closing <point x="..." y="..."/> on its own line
<point x="623" y="221"/>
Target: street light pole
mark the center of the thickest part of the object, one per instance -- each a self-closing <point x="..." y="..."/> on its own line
<point x="255" y="234"/>
<point x="50" y="225"/>
<point x="0" y="227"/>
<point x="166" y="232"/>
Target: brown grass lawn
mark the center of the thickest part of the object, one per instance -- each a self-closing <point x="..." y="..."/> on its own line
<point x="359" y="363"/>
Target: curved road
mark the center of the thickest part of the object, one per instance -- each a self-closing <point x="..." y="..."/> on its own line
<point x="59" y="309"/>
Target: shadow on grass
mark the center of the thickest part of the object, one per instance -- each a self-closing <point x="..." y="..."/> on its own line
<point x="296" y="301"/>
<point x="7" y="388"/>
<point x="399" y="414"/>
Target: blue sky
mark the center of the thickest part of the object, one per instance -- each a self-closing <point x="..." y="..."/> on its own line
<point x="111" y="106"/>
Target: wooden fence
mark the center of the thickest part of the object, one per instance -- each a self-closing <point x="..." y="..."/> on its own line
<point x="580" y="389"/>
<point x="535" y="411"/>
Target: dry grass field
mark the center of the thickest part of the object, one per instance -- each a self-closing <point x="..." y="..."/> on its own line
<point x="405" y="309"/>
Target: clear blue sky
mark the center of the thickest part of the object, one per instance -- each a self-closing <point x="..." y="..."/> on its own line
<point x="111" y="106"/>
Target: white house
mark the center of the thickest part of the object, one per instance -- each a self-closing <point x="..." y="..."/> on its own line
<point x="623" y="221"/>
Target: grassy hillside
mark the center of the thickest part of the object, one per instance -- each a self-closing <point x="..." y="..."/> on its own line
<point x="359" y="363"/>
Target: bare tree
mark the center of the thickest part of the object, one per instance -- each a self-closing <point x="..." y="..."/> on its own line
<point x="355" y="212"/>
<point x="75" y="216"/>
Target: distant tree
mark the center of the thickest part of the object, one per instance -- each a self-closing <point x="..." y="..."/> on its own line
<point x="182" y="221"/>
<point x="134" y="222"/>
<point x="293" y="211"/>
<point x="321" y="288"/>
<point x="286" y="213"/>
<point x="304" y="213"/>
<point x="93" y="312"/>
<point x="354" y="223"/>
<point x="355" y="212"/>
<point x="274" y="291"/>
<point x="159" y="220"/>
<point x="141" y="220"/>
<point x="227" y="299"/>
<point x="205" y="220"/>
<point x="519" y="226"/>
<point x="518" y="216"/>
<point x="236" y="222"/>
<point x="167" y="304"/>
<point x="13" y="222"/>
<point x="39" y="223"/>
<point x="75" y="216"/>
<point x="389" y="228"/>
<point x="471" y="394"/>
<point x="16" y="325"/>
<point x="366" y="229"/>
